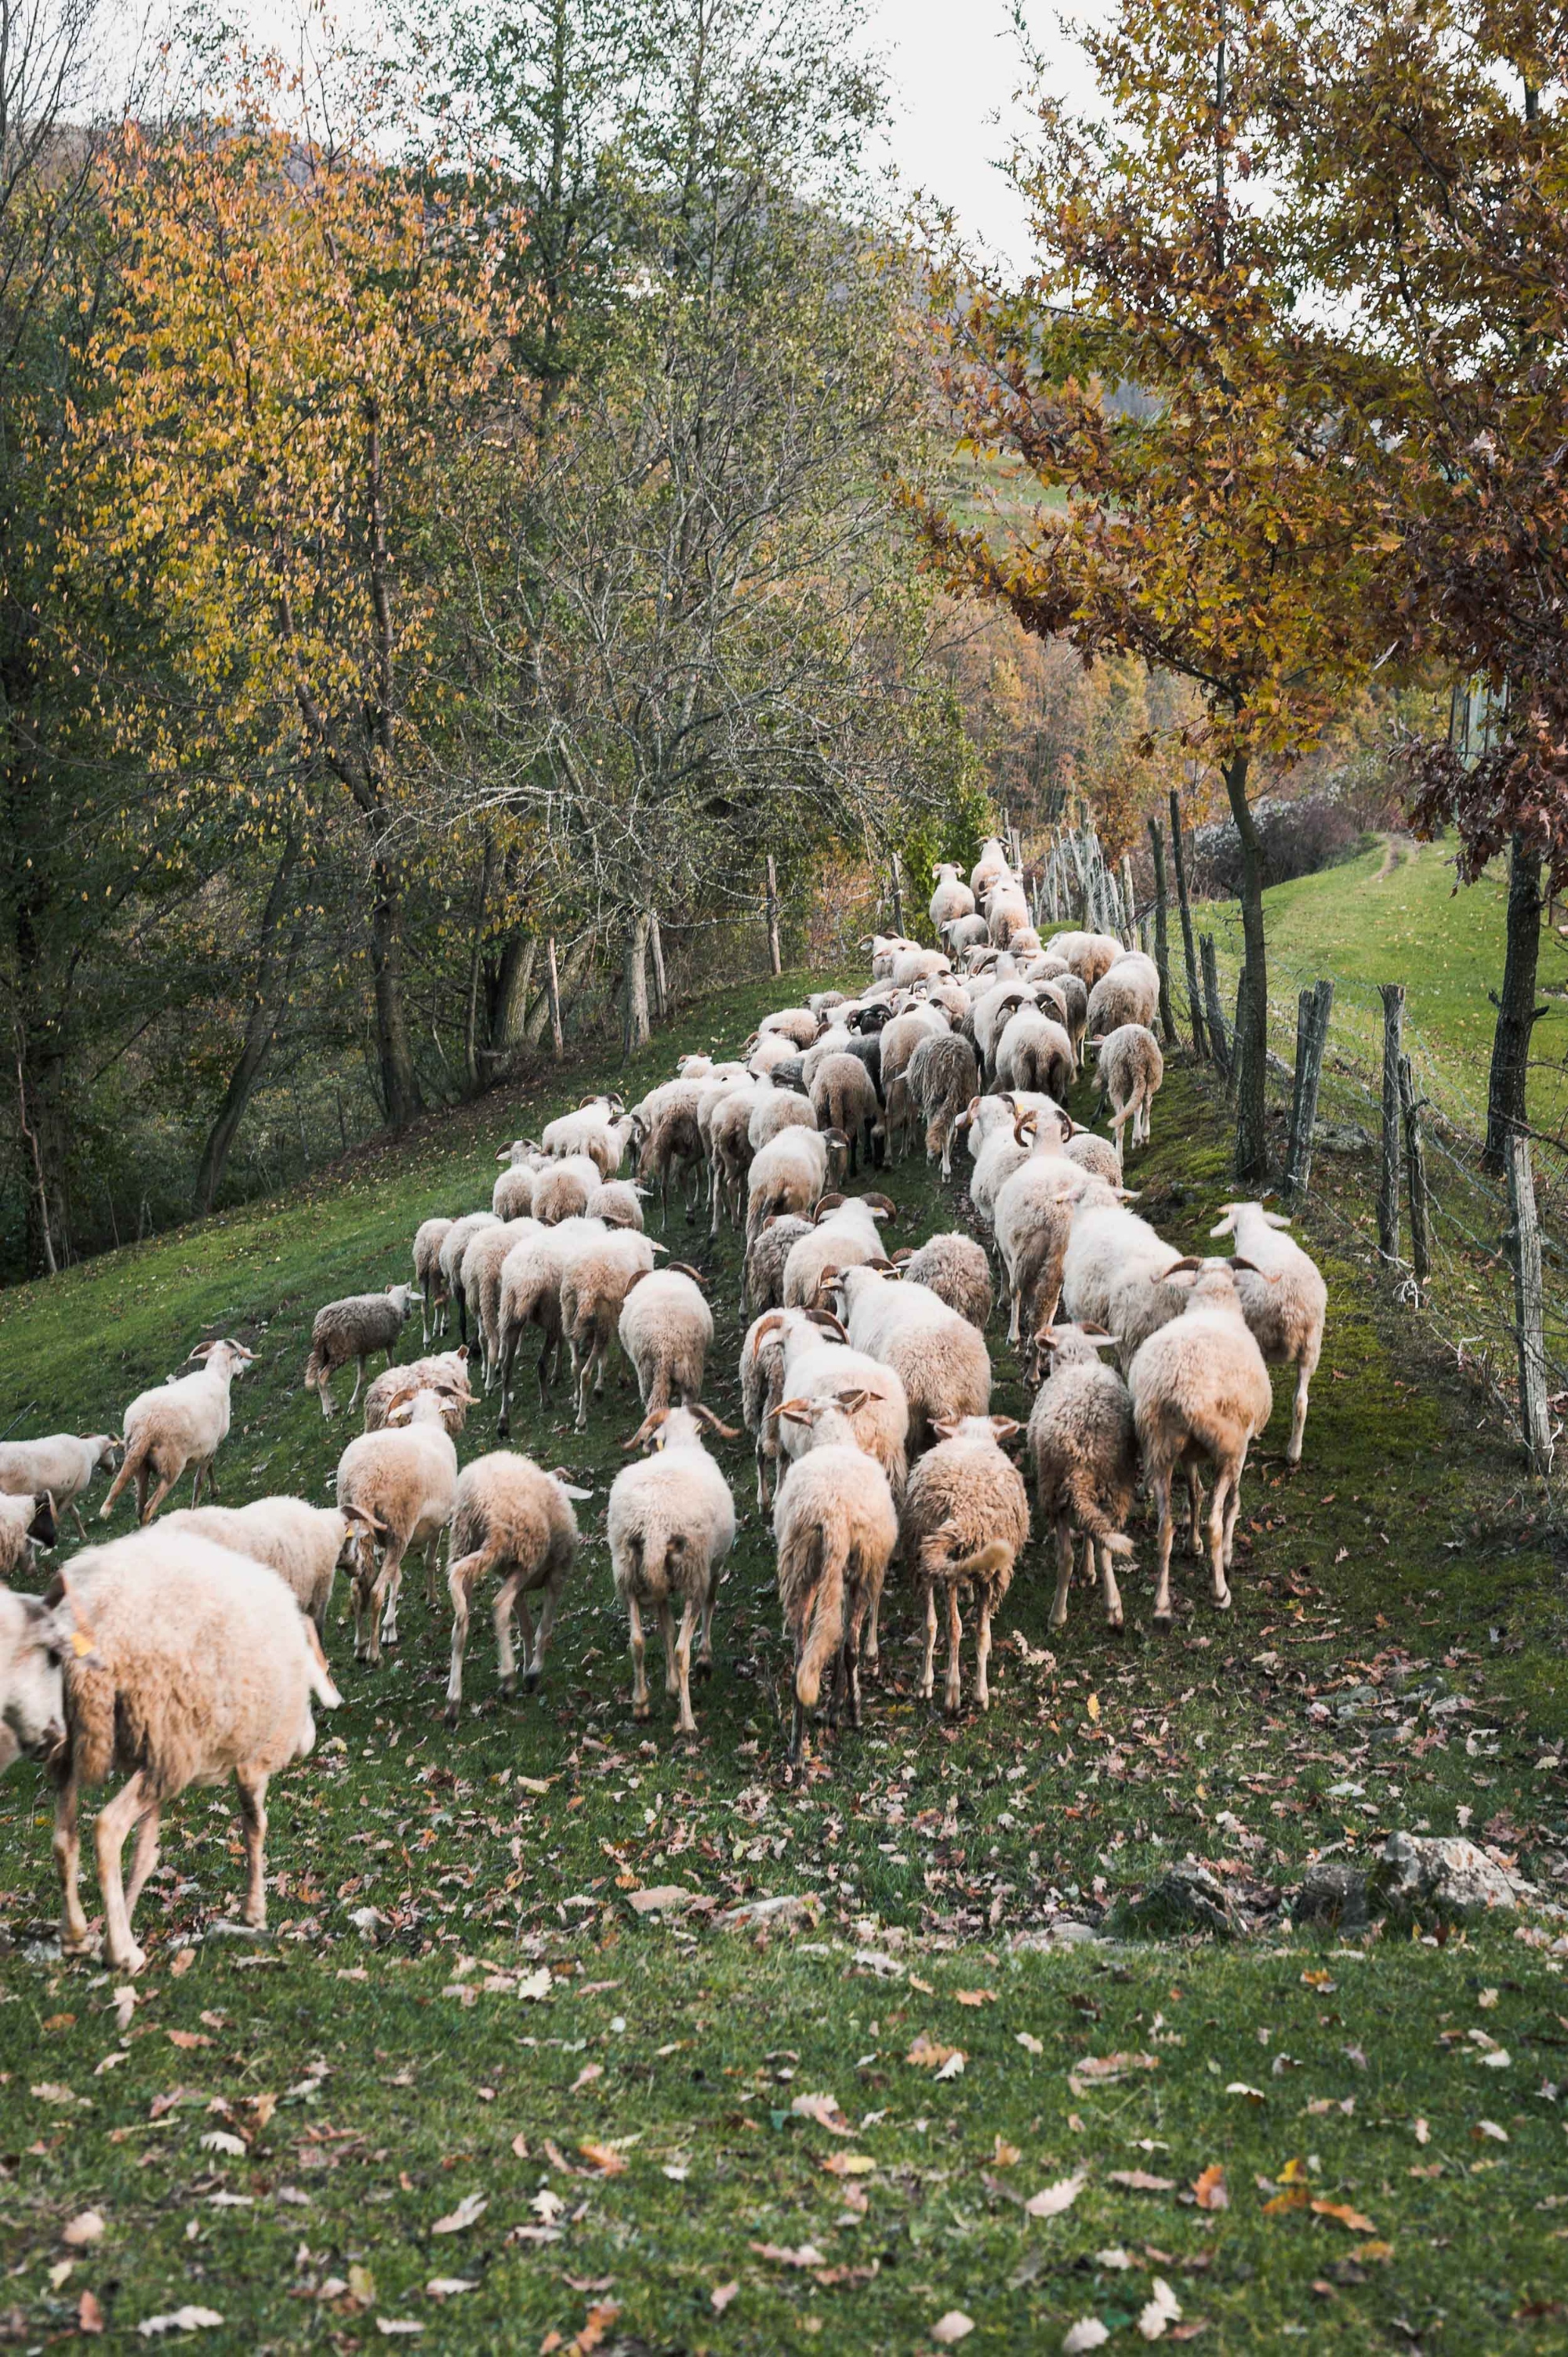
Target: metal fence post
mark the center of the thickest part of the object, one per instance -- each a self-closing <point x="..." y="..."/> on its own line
<point x="1393" y="996"/>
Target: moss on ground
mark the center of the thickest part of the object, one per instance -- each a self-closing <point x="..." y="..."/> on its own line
<point x="1394" y="1660"/>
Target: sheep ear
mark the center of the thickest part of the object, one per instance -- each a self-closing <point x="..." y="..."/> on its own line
<point x="1277" y="1219"/>
<point x="1227" y="1224"/>
<point x="1047" y="1337"/>
<point x="945" y="1426"/>
<point x="504" y="1157"/>
<point x="798" y="1411"/>
<point x="1006" y="1426"/>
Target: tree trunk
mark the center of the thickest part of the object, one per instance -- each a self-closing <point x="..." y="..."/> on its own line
<point x="1252" y="1052"/>
<point x="1517" y="1011"/>
<point x="476" y="962"/>
<point x="401" y="1100"/>
<point x="267" y="1002"/>
<point x="636" y="1028"/>
<point x="508" y="997"/>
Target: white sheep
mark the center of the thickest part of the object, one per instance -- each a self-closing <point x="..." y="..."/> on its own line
<point x="950" y="897"/>
<point x="762" y="1271"/>
<point x="1035" y="1052"/>
<point x="530" y="1295"/>
<point x="34" y="1638"/>
<point x="843" y="1096"/>
<point x="797" y="1024"/>
<point x="835" y="1526"/>
<point x="939" y="1357"/>
<point x="454" y="1245"/>
<point x="511" y="1517"/>
<point x="844" y="1230"/>
<point x="354" y="1328"/>
<point x="482" y="1263"/>
<point x="1284" y="1298"/>
<point x="901" y="1039"/>
<point x="1089" y="954"/>
<point x="1114" y="1275"/>
<point x="1032" y="1220"/>
<point x="729" y="1151"/>
<point x="666" y="1330"/>
<point x="955" y="1268"/>
<point x="447" y="1371"/>
<point x="594" y="1283"/>
<point x="303" y="1544"/>
<point x="670" y="1524"/>
<point x="595" y="1129"/>
<point x="964" y="1523"/>
<point x="60" y="1463"/>
<point x="183" y="1424"/>
<point x="791" y="1173"/>
<point x="511" y="1196"/>
<point x="618" y="1202"/>
<point x="775" y="1109"/>
<point x="26" y="1523"/>
<point x="1129" y="1074"/>
<point x="561" y="1190"/>
<point x="942" y="1078"/>
<point x="1084" y="1451"/>
<point x="762" y="1384"/>
<point x="429" y="1237"/>
<point x="990" y="869"/>
<point x="1200" y="1395"/>
<point x="1127" y="992"/>
<point x="397" y="1487"/>
<point x="199" y="1664"/>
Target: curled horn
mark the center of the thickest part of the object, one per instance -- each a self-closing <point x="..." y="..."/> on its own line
<point x="706" y="1415"/>
<point x="616" y="1103"/>
<point x="903" y="1256"/>
<point x="882" y="1204"/>
<point x="1269" y="1276"/>
<point x="1176" y="1268"/>
<point x="826" y="1203"/>
<point x="828" y="1322"/>
<point x="885" y="1267"/>
<point x="768" y="1324"/>
<point x="685" y="1269"/>
<point x="505" y="1155"/>
<point x="650" y="1424"/>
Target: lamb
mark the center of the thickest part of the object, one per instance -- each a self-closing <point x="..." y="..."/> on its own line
<point x="355" y="1328"/>
<point x="301" y="1542"/>
<point x="1115" y="1277"/>
<point x="964" y="933"/>
<point x="594" y="1283"/>
<point x="843" y="1097"/>
<point x="1035" y="1052"/>
<point x="184" y="1424"/>
<point x="1089" y="954"/>
<point x="34" y="1641"/>
<point x="618" y="1202"/>
<point x="844" y="1232"/>
<point x="1006" y="913"/>
<point x="200" y="1665"/>
<point x="530" y="1295"/>
<point x="941" y="1077"/>
<point x="434" y="1296"/>
<point x="915" y="964"/>
<point x="955" y="1268"/>
<point x="447" y="1372"/>
<point x="885" y="948"/>
<point x="454" y="1245"/>
<point x="1084" y="1451"/>
<point x="951" y="898"/>
<point x="773" y="1050"/>
<point x="940" y="1359"/>
<point x="665" y="1329"/>
<point x="965" y="1520"/>
<point x="762" y="1276"/>
<point x="62" y="1463"/>
<point x="482" y="1263"/>
<point x="834" y="1527"/>
<point x="1200" y="1393"/>
<point x="511" y="1196"/>
<point x="25" y="1522"/>
<point x="1127" y="992"/>
<point x="510" y="1517"/>
<point x="990" y="867"/>
<point x="561" y="1191"/>
<point x="670" y="1524"/>
<point x="1129" y="1072"/>
<point x="397" y="1487"/>
<point x="791" y="1173"/>
<point x="1284" y="1299"/>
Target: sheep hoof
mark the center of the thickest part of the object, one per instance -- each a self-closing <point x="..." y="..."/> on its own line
<point x="451" y="1714"/>
<point x="530" y="1683"/>
<point x="704" y="1670"/>
<point x="1223" y="1603"/>
<point x="133" y="1960"/>
<point x="1162" y="1623"/>
<point x="1115" y="1623"/>
<point x="641" y="1712"/>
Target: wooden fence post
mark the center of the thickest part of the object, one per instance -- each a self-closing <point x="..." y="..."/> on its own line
<point x="1194" y="993"/>
<point x="1415" y="1167"/>
<point x="1393" y="996"/>
<point x="1161" y="934"/>
<point x="897" y="896"/>
<point x="775" y="961"/>
<point x="1311" y="1039"/>
<point x="552" y="985"/>
<point x="1219" y="1047"/>
<point x="661" y="987"/>
<point x="1239" y="1037"/>
<point x="1524" y="1251"/>
<point x="1129" y="903"/>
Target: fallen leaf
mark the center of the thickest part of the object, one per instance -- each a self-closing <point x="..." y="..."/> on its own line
<point x="1004" y="2154"/>
<point x="520" y="2146"/>
<point x="595" y="2325"/>
<point x="547" y="2205"/>
<point x="393" y="2325"/>
<point x="468" y="2213"/>
<point x="1092" y="1707"/>
<point x="1138" y="2180"/>
<point x="534" y="1985"/>
<point x="808" y="2255"/>
<point x="585" y="2077"/>
<point x="1052" y="2199"/>
<point x="1087" y="2333"/>
<point x="49" y="2092"/>
<point x="974" y="1996"/>
<point x="182" y="2320"/>
<point x="86" y="2227"/>
<point x="1161" y="2312"/>
<point x="182" y="1963"/>
<point x="926" y="2054"/>
<point x="1490" y="2128"/>
<point x="954" y="2326"/>
<point x="1030" y="2045"/>
<point x="448" y="2286"/>
<point x="362" y="2284"/>
<point x="1294" y="2196"/>
<point x="722" y="2295"/>
<point x="1343" y="2213"/>
<point x="1253" y="2094"/>
<point x="186" y="2038"/>
<point x="1104" y="2070"/>
<point x="849" y="2164"/>
<point x="953" y="2067"/>
<point x="1423" y="2133"/>
<point x="1210" y="2189"/>
<point x="89" y="2313"/>
<point x="219" y="2140"/>
<point x="605" y="2159"/>
<point x="664" y="1899"/>
<point x="825" y="2111"/>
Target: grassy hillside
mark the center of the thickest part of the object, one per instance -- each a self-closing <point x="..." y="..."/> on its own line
<point x="609" y="2101"/>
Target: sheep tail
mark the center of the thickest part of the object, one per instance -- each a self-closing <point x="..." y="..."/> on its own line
<point x="313" y="1369"/>
<point x="826" y="1633"/>
<point x="321" y="1685"/>
<point x="135" y="1457"/>
<point x="993" y="1556"/>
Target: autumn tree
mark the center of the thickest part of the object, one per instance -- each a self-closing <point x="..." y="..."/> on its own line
<point x="1213" y="526"/>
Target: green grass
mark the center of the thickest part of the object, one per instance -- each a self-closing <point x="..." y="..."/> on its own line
<point x="375" y="2083"/>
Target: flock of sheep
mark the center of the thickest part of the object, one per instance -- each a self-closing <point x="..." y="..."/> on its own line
<point x="194" y="1648"/>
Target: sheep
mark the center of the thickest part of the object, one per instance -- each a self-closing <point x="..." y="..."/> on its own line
<point x="828" y="1002"/>
<point x="674" y="1147"/>
<point x="899" y="1040"/>
<point x="1006" y="913"/>
<point x="200" y="1665"/>
<point x="1084" y="1451"/>
<point x="1089" y="954"/>
<point x="300" y="1542"/>
<point x="397" y="1487"/>
<point x="992" y="1010"/>
<point x="434" y="1296"/>
<point x="885" y="948"/>
<point x="941" y="1077"/>
<point x="510" y="1517"/>
<point x="775" y="1108"/>
<point x="797" y="1024"/>
<point x="1033" y="1223"/>
<point x="947" y="996"/>
<point x="942" y="1360"/>
<point x="768" y="1052"/>
<point x="671" y="1523"/>
<point x="951" y="898"/>
<point x="447" y="1371"/>
<point x="1035" y="1052"/>
<point x="561" y="1191"/>
<point x="819" y="1371"/>
<point x="618" y="1202"/>
<point x="790" y="1173"/>
<point x="843" y="1097"/>
<point x="999" y="1147"/>
<point x="1113" y="1276"/>
<point x="25" y="1521"/>
<point x="990" y="869"/>
<point x="712" y="1098"/>
<point x="964" y="933"/>
<point x="184" y="1424"/>
<point x="1129" y="1072"/>
<point x="1284" y="1299"/>
<point x="1127" y="992"/>
<point x="665" y="1329"/>
<point x="913" y="965"/>
<point x="965" y="1520"/>
<point x="594" y="1283"/>
<point x="354" y="1328"/>
<point x="34" y="1641"/>
<point x="1098" y="1155"/>
<point x="834" y="1527"/>
<point x="955" y="1268"/>
<point x="833" y="1042"/>
<point x="595" y="1129"/>
<point x="844" y="1230"/>
<point x="454" y="1245"/>
<point x="511" y="1196"/>
<point x="62" y="1463"/>
<point x="482" y="1264"/>
<point x="1200" y="1393"/>
<point x="731" y="1153"/>
<point x="530" y="1295"/>
<point x="762" y="1384"/>
<point x="762" y="1276"/>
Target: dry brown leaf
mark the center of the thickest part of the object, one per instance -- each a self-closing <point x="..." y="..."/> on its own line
<point x="586" y="2076"/>
<point x="1104" y="2070"/>
<point x="1052" y="2199"/>
<point x="952" y="2326"/>
<point x="1004" y="2154"/>
<point x="825" y="2111"/>
<point x="185" y="2039"/>
<point x="1344" y="2216"/>
<point x="605" y="2159"/>
<point x="86" y="2227"/>
<point x="89" y="2314"/>
<point x="808" y="2255"/>
<point x="1138" y="2180"/>
<point x="928" y="2054"/>
<point x="974" y="1996"/>
<point x="848" y="2164"/>
<point x="1210" y="2189"/>
<point x="596" y="2324"/>
<point x="722" y="2295"/>
<point x="181" y="1965"/>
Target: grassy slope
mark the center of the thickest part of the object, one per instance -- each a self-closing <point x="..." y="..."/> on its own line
<point x="396" y="2098"/>
<point x="1364" y="927"/>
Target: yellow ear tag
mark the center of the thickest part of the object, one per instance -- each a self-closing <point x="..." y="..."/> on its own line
<point x="80" y="1644"/>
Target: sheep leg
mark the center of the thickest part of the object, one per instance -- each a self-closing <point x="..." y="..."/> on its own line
<point x="538" y="1644"/>
<point x="952" y="1698"/>
<point x="144" y="1512"/>
<point x="359" y="1377"/>
<point x="761" y="1473"/>
<point x="143" y="1477"/>
<point x="1015" y="1298"/>
<point x="667" y="1630"/>
<point x="641" y="1706"/>
<point x="1232" y="1505"/>
<point x="252" y="1784"/>
<point x="1297" y="1421"/>
<point x="383" y="1601"/>
<point x="145" y="1856"/>
<point x="432" y="1571"/>
<point x="797" y="1717"/>
<point x="1159" y="1483"/>
<point x="982" y="1649"/>
<point x="873" y="1649"/>
<point x="1064" y="1572"/>
<point x="324" y="1390"/>
<point x="1225" y="1487"/>
<point x="926" y="1676"/>
<point x="705" y="1641"/>
<point x="73" y="1934"/>
<point x="425" y="1314"/>
<point x="1195" y="1502"/>
<point x="509" y="1352"/>
<point x="685" y="1724"/>
<point x="81" y="1525"/>
<point x="460" y="1579"/>
<point x="115" y="1819"/>
<point x="1113" y="1594"/>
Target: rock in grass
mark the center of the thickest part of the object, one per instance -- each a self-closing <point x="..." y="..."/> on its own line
<point x="1442" y="1877"/>
<point x="1334" y="1896"/>
<point x="1185" y="1898"/>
